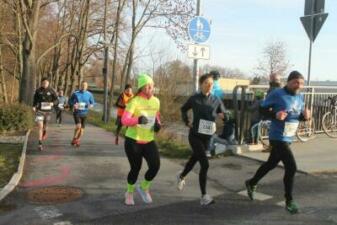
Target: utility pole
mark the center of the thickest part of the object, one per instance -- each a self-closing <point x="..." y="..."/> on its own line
<point x="195" y="61"/>
<point x="105" y="66"/>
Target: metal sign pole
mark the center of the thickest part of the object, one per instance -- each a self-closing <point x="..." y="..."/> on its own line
<point x="311" y="40"/>
<point x="309" y="64"/>
<point x="313" y="20"/>
<point x="195" y="61"/>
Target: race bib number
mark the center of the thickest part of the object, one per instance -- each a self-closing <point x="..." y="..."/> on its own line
<point x="290" y="129"/>
<point x="150" y="124"/>
<point x="206" y="127"/>
<point x="45" y="106"/>
<point x="81" y="106"/>
<point x="61" y="106"/>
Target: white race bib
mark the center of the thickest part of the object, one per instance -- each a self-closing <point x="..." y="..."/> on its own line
<point x="45" y="106"/>
<point x="150" y="124"/>
<point x="81" y="105"/>
<point x="290" y="129"/>
<point x="61" y="106"/>
<point x="206" y="127"/>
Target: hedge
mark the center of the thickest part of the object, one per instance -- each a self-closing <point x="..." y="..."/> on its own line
<point x="15" y="117"/>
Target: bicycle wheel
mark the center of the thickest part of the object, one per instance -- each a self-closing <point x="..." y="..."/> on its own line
<point x="306" y="130"/>
<point x="329" y="123"/>
<point x="264" y="133"/>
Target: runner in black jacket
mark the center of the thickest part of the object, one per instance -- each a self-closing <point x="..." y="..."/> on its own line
<point x="206" y="108"/>
<point x="44" y="100"/>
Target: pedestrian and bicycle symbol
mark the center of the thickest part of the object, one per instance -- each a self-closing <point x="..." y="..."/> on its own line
<point x="199" y="29"/>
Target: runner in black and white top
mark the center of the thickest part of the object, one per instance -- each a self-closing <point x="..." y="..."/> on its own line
<point x="206" y="108"/>
<point x="44" y="99"/>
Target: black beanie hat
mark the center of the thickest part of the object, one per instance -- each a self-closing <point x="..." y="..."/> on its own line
<point x="295" y="75"/>
<point x="215" y="74"/>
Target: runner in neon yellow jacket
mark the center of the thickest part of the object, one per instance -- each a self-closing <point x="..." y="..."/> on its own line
<point x="143" y="119"/>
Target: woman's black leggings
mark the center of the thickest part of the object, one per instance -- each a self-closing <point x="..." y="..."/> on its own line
<point x="199" y="147"/>
<point x="280" y="151"/>
<point x="135" y="153"/>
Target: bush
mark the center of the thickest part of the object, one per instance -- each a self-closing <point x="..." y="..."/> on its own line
<point x="171" y="146"/>
<point x="9" y="160"/>
<point x="15" y="117"/>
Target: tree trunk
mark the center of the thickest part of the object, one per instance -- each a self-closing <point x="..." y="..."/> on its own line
<point x="80" y="45"/>
<point x="3" y="81"/>
<point x="114" y="63"/>
<point x="20" y="42"/>
<point x="129" y="66"/>
<point x="129" y="56"/>
<point x="28" y="80"/>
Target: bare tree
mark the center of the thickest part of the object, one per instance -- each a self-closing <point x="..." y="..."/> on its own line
<point x="274" y="60"/>
<point x="173" y="81"/>
<point x="57" y="38"/>
<point x="29" y="14"/>
<point x="3" y="88"/>
<point x="120" y="7"/>
<point x="171" y="15"/>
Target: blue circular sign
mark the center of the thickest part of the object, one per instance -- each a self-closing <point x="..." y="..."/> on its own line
<point x="199" y="29"/>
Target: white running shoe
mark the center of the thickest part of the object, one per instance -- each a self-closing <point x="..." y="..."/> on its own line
<point x="129" y="198"/>
<point x="180" y="182"/>
<point x="145" y="195"/>
<point x="206" y="200"/>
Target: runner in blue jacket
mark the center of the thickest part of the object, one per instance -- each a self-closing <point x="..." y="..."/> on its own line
<point x="80" y="101"/>
<point x="285" y="108"/>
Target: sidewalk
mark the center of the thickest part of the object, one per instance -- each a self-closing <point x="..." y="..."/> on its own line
<point x="99" y="169"/>
<point x="314" y="156"/>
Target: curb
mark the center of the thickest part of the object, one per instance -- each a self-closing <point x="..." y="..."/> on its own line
<point x="14" y="181"/>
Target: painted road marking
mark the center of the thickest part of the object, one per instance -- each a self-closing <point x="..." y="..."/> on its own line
<point x="48" y="212"/>
<point x="257" y="195"/>
<point x="282" y="204"/>
<point x="59" y="178"/>
<point x="63" y="223"/>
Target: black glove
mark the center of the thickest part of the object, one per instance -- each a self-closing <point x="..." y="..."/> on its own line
<point x="156" y="126"/>
<point x="142" y="120"/>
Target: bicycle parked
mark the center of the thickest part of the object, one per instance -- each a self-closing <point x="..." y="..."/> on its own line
<point x="263" y="131"/>
<point x="329" y="120"/>
<point x="305" y="131"/>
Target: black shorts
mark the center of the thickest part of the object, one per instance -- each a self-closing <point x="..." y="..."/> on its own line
<point x="80" y="120"/>
<point x="119" y="121"/>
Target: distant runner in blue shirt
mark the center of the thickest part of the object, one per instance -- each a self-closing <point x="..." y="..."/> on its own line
<point x="285" y="108"/>
<point x="217" y="90"/>
<point x="80" y="101"/>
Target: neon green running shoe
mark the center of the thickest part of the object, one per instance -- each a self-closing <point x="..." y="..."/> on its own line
<point x="291" y="207"/>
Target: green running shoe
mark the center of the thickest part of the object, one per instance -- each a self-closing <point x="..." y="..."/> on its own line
<point x="291" y="207"/>
<point x="250" y="190"/>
